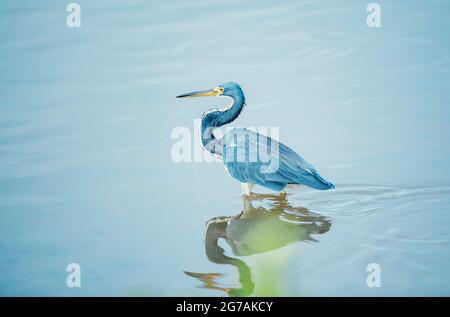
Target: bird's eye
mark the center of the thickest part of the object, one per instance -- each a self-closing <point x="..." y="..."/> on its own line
<point x="221" y="89"/>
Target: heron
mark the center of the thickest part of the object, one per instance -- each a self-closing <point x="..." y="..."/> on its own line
<point x="248" y="156"/>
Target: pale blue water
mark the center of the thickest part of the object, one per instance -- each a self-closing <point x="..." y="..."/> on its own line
<point x="86" y="174"/>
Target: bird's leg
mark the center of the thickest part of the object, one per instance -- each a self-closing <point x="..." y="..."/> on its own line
<point x="247" y="188"/>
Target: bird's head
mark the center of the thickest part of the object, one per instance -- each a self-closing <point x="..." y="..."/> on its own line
<point x="230" y="89"/>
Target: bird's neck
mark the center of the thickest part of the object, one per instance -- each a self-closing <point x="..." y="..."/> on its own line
<point x="218" y="117"/>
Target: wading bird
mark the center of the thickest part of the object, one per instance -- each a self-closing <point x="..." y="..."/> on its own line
<point x="248" y="156"/>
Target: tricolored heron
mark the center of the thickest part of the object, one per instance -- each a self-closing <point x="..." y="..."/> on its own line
<point x="248" y="156"/>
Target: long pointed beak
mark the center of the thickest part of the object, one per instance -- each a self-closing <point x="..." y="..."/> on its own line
<point x="201" y="93"/>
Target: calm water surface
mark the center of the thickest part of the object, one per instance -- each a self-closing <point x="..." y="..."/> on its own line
<point x="86" y="174"/>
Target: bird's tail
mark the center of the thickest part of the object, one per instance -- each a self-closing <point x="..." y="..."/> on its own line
<point x="318" y="182"/>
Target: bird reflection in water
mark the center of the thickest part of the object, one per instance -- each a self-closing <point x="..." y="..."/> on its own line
<point x="257" y="229"/>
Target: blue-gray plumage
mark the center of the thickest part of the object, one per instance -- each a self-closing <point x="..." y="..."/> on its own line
<point x="250" y="157"/>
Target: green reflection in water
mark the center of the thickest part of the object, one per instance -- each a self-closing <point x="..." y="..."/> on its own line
<point x="267" y="222"/>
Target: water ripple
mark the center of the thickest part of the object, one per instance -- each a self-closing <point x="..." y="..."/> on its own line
<point x="348" y="201"/>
